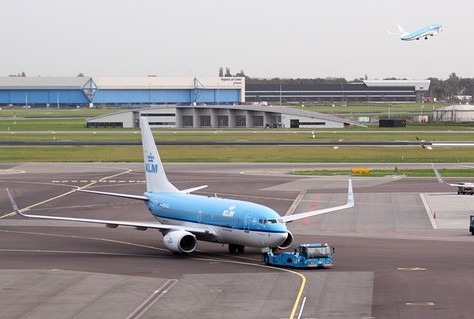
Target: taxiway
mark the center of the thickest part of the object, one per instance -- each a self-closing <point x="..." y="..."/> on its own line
<point x="403" y="251"/>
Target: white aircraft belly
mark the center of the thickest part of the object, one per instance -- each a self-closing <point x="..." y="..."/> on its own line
<point x="258" y="239"/>
<point x="227" y="235"/>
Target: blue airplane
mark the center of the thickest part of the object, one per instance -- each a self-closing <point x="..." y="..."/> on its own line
<point x="430" y="30"/>
<point x="184" y="218"/>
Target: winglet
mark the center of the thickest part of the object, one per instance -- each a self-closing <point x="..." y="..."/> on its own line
<point x="14" y="205"/>
<point x="401" y="30"/>
<point x="438" y="176"/>
<point x="348" y="204"/>
<point x="350" y="194"/>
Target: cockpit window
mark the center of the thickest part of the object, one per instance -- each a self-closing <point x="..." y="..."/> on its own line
<point x="270" y="221"/>
<point x="276" y="221"/>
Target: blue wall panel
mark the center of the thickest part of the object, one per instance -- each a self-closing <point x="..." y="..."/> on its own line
<point x="119" y="96"/>
<point x="42" y="97"/>
<point x="219" y="96"/>
<point x="141" y="96"/>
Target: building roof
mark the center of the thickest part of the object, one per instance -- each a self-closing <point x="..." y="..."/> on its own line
<point x="124" y="83"/>
<point x="457" y="107"/>
<point x="271" y="109"/>
<point x="154" y="82"/>
<point x="420" y="85"/>
<point x="42" y="83"/>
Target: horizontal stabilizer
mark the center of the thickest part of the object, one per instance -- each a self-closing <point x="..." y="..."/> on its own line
<point x="139" y="197"/>
<point x="191" y="190"/>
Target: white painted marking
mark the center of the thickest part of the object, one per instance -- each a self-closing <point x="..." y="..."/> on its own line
<point x="302" y="307"/>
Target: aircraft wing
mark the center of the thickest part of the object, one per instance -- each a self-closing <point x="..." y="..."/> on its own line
<point x="348" y="204"/>
<point x="114" y="223"/>
<point x="441" y="179"/>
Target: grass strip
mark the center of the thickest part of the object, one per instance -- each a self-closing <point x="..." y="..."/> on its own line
<point x="251" y="154"/>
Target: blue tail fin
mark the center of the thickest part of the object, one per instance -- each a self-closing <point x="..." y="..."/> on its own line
<point x="156" y="180"/>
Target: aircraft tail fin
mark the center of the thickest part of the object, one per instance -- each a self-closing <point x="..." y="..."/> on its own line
<point x="156" y="180"/>
<point x="401" y="31"/>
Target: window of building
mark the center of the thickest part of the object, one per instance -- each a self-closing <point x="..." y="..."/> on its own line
<point x="205" y="121"/>
<point x="104" y="125"/>
<point x="223" y="121"/>
<point x="187" y="121"/>
<point x="240" y="121"/>
<point x="258" y="121"/>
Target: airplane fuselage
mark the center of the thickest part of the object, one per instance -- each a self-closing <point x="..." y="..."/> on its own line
<point x="424" y="32"/>
<point x="232" y="221"/>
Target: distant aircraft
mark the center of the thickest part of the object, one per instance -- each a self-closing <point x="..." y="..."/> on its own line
<point x="463" y="188"/>
<point x="184" y="218"/>
<point x="430" y="30"/>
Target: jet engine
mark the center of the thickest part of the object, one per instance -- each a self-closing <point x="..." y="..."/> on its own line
<point x="287" y="243"/>
<point x="180" y="241"/>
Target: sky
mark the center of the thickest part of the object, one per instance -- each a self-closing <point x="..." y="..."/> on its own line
<point x="264" y="38"/>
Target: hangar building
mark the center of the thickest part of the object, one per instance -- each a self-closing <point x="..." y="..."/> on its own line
<point x="145" y="91"/>
<point x="124" y="92"/>
<point x="363" y="91"/>
<point x="218" y="116"/>
<point x="454" y="113"/>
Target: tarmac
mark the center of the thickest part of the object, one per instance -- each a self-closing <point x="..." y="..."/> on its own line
<point x="403" y="251"/>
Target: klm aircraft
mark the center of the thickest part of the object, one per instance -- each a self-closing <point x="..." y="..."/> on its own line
<point x="184" y="218"/>
<point x="430" y="30"/>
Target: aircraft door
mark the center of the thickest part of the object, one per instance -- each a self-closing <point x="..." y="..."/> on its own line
<point x="199" y="216"/>
<point x="247" y="222"/>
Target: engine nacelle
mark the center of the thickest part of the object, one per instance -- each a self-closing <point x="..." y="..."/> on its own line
<point x="287" y="243"/>
<point x="180" y="241"/>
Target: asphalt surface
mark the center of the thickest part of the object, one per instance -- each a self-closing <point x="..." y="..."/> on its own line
<point x="403" y="251"/>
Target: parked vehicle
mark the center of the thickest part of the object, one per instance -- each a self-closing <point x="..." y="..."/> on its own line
<point x="315" y="255"/>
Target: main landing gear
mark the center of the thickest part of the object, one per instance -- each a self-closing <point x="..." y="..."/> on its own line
<point x="234" y="249"/>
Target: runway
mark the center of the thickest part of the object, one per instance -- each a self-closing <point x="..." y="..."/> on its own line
<point x="403" y="251"/>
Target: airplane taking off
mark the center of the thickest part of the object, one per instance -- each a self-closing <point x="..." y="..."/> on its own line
<point x="463" y="188"/>
<point x="184" y="218"/>
<point x="430" y="30"/>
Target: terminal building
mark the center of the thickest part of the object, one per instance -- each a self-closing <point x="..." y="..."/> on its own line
<point x="220" y="116"/>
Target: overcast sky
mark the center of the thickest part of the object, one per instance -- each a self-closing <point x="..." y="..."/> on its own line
<point x="264" y="38"/>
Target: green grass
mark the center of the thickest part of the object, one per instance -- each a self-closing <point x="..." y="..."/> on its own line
<point x="71" y="154"/>
<point x="18" y="112"/>
<point x="17" y="124"/>
<point x="75" y="130"/>
<point x="42" y="124"/>
<point x="255" y="154"/>
<point x="395" y="172"/>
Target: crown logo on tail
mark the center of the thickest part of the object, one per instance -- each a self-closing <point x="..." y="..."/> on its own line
<point x="151" y="158"/>
<point x="151" y="167"/>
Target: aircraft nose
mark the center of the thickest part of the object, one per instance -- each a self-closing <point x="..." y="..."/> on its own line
<point x="277" y="239"/>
